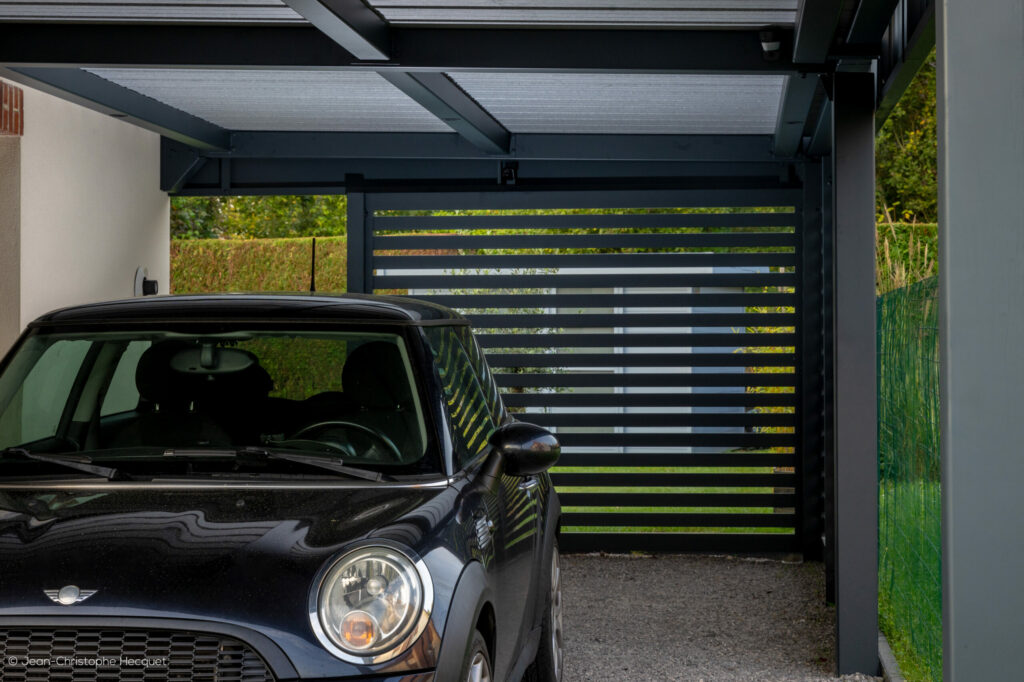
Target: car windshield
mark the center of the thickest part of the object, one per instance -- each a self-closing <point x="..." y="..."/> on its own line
<point x="132" y="395"/>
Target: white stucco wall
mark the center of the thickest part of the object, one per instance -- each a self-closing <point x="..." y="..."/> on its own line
<point x="91" y="206"/>
<point x="10" y="238"/>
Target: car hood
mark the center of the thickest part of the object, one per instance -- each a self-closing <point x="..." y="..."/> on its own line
<point x="241" y="555"/>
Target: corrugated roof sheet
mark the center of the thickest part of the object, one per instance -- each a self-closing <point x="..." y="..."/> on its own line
<point x="176" y="11"/>
<point x="282" y="100"/>
<point x="622" y="13"/>
<point x="627" y="103"/>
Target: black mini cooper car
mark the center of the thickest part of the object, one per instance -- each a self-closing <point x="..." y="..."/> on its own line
<point x="270" y="488"/>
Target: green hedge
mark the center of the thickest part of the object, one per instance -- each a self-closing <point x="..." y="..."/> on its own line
<point x="906" y="253"/>
<point x="212" y="265"/>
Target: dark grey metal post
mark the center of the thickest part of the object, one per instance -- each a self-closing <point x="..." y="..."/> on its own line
<point x="358" y="239"/>
<point x="856" y="414"/>
<point x="829" y="357"/>
<point x="810" y="371"/>
<point x="981" y="324"/>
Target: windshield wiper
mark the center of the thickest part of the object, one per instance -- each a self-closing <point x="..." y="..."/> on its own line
<point x="78" y="463"/>
<point x="261" y="454"/>
<point x="333" y="464"/>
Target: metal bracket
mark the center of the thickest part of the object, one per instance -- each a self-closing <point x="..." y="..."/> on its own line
<point x="509" y="173"/>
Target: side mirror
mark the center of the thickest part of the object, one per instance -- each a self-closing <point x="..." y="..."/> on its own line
<point x="526" y="449"/>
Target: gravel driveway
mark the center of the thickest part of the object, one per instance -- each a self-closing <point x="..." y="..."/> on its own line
<point x="696" y="618"/>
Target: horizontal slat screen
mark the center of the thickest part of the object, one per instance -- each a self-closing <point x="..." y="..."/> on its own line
<point x="597" y="280"/>
<point x="600" y="260"/>
<point x="524" y="339"/>
<point x="659" y="344"/>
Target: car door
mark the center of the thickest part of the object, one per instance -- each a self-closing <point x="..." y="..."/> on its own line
<point x="521" y="496"/>
<point x="505" y="516"/>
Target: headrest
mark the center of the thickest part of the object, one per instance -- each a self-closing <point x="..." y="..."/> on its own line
<point x="374" y="377"/>
<point x="154" y="377"/>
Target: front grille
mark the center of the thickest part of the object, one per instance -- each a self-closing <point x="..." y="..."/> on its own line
<point x="110" y="655"/>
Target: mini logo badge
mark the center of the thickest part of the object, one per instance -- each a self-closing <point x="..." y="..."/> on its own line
<point x="69" y="594"/>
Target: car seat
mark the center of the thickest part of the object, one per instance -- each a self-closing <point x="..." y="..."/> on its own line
<point x="167" y="406"/>
<point x="375" y="380"/>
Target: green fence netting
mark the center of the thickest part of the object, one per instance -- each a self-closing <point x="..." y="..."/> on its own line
<point x="910" y="585"/>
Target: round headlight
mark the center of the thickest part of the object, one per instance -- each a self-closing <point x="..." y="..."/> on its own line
<point x="371" y="604"/>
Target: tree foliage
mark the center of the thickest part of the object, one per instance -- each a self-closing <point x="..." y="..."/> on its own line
<point x="906" y="154"/>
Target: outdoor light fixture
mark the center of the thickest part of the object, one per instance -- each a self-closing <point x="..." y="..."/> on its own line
<point x="771" y="44"/>
<point x="143" y="285"/>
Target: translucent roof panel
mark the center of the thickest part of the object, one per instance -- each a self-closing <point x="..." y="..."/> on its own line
<point x="627" y="103"/>
<point x="610" y="13"/>
<point x="282" y="100"/>
<point x="164" y="11"/>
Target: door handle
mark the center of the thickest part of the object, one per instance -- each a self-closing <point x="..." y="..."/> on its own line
<point x="482" y="521"/>
<point x="529" y="485"/>
<point x="484" y="528"/>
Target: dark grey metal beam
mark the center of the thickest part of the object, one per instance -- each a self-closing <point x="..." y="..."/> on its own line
<point x="168" y="45"/>
<point x="870" y="21"/>
<point x="828" y="370"/>
<point x="813" y="37"/>
<point x="726" y="194"/>
<point x="797" y="100"/>
<point x="439" y="94"/>
<point x="360" y="31"/>
<point x="915" y="43"/>
<point x="816" y="22"/>
<point x="360" y="239"/>
<point x="539" y="146"/>
<point x="820" y="143"/>
<point x="856" y="413"/>
<point x="178" y="163"/>
<point x="811" y="370"/>
<point x="712" y="148"/>
<point x="414" y="49"/>
<point x="593" y="50"/>
<point x="349" y="23"/>
<point x="101" y="95"/>
<point x="326" y="176"/>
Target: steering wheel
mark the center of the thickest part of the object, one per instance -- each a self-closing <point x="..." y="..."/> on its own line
<point x="389" y="446"/>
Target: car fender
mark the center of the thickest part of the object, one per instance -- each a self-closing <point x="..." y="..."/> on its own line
<point x="471" y="594"/>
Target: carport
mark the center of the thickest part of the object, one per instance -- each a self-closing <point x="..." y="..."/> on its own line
<point x="717" y="317"/>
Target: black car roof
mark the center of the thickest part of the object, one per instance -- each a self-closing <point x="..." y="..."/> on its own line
<point x="310" y="307"/>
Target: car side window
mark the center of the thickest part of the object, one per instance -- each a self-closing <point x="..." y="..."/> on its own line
<point x="483" y="374"/>
<point x="34" y="412"/>
<point x="469" y="409"/>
